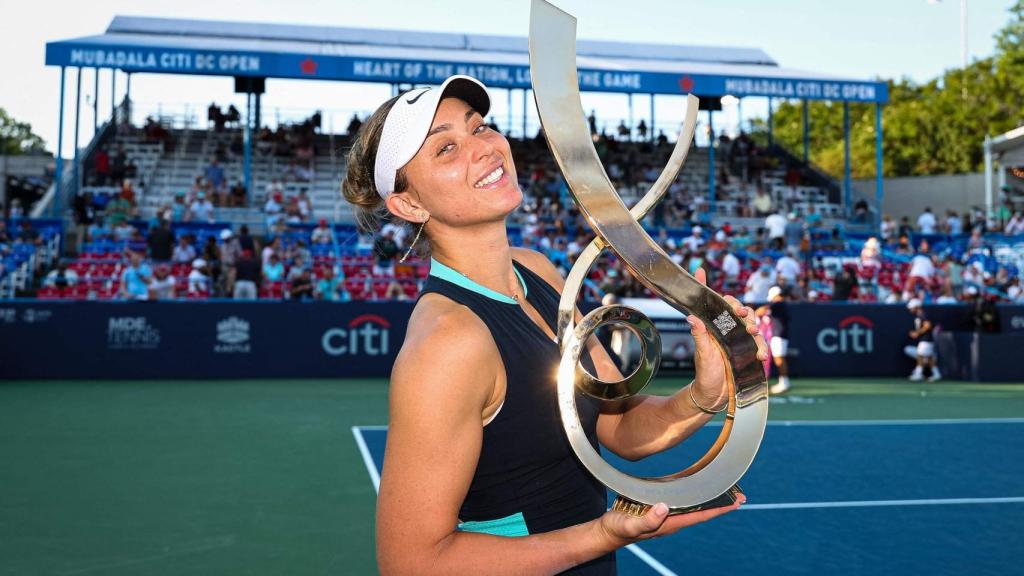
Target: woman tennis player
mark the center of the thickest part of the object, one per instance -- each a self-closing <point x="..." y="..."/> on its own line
<point x="478" y="475"/>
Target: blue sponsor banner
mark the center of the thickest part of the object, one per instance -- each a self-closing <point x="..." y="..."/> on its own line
<point x="155" y="59"/>
<point x="195" y="340"/>
<point x="40" y="339"/>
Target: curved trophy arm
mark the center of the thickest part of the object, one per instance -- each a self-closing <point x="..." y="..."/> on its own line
<point x="556" y="90"/>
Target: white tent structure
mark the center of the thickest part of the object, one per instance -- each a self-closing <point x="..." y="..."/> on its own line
<point x="1006" y="150"/>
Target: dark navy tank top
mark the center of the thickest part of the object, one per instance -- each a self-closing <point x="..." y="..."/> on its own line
<point x="528" y="480"/>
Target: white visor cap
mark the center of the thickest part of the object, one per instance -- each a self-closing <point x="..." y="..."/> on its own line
<point x="409" y="120"/>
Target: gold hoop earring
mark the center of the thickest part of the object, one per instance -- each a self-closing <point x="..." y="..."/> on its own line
<point x="415" y="240"/>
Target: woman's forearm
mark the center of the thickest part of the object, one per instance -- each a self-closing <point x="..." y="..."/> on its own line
<point x="475" y="553"/>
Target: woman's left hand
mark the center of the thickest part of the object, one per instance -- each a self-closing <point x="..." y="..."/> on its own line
<point x="710" y="387"/>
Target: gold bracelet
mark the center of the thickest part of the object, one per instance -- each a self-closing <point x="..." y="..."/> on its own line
<point x="701" y="408"/>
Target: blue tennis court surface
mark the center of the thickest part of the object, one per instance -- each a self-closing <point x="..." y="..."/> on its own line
<point x="847" y="498"/>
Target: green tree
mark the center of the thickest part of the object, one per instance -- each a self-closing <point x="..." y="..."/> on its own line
<point x="17" y="137"/>
<point x="935" y="127"/>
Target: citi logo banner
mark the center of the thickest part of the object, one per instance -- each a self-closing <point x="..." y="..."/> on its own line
<point x="853" y="335"/>
<point x="366" y="334"/>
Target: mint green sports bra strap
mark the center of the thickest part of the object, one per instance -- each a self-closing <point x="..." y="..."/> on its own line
<point x="510" y="526"/>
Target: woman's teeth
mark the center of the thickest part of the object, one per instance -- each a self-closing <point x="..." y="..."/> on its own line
<point x="490" y="178"/>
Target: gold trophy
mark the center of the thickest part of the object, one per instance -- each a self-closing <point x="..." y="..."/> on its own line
<point x="711" y="481"/>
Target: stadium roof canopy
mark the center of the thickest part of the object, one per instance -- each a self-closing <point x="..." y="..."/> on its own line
<point x="173" y="46"/>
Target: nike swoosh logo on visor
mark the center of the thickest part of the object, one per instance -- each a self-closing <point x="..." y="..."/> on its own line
<point x="418" y="96"/>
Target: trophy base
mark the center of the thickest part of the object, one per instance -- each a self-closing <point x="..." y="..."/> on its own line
<point x="623" y="504"/>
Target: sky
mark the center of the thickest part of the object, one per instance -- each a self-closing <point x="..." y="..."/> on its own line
<point x="868" y="39"/>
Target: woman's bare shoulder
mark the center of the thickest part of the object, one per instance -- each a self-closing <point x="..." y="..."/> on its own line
<point x="445" y="341"/>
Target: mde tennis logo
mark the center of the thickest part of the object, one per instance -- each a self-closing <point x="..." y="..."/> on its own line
<point x="131" y="333"/>
<point x="366" y="334"/>
<point x="232" y="336"/>
<point x="854" y="335"/>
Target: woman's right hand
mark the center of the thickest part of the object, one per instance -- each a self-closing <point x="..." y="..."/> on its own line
<point x="622" y="529"/>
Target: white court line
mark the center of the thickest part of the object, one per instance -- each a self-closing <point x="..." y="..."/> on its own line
<point x="650" y="561"/>
<point x="878" y="503"/>
<point x="908" y="422"/>
<point x="371" y="467"/>
<point x="367" y="459"/>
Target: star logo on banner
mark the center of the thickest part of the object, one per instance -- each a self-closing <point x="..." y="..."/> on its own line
<point x="308" y="66"/>
<point x="686" y="84"/>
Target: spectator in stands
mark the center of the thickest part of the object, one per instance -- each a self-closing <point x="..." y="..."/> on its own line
<point x="162" y="287"/>
<point x="273" y="270"/>
<point x="794" y="231"/>
<point x="354" y="124"/>
<point x="201" y="209"/>
<point x="245" y="277"/>
<point x="330" y="287"/>
<point x="954" y="225"/>
<point x="273" y="208"/>
<point x="322" y="233"/>
<point x="298" y="265"/>
<point x="623" y="130"/>
<point x="1015" y="225"/>
<point x="179" y="209"/>
<point x="238" y="197"/>
<point x="101" y="166"/>
<point x="300" y="250"/>
<point x="119" y="209"/>
<point x="984" y="317"/>
<point x="28" y="234"/>
<point x="292" y="215"/>
<point x="922" y="272"/>
<point x="60" y="277"/>
<point x="246" y="241"/>
<point x="5" y="235"/>
<point x="211" y="254"/>
<point x="758" y="285"/>
<point x="301" y="286"/>
<point x="903" y="246"/>
<point x="305" y="206"/>
<point x="214" y="174"/>
<point x="887" y="230"/>
<point x="184" y="252"/>
<point x="641" y="129"/>
<point x="843" y="283"/>
<point x="1015" y="291"/>
<point x="921" y="334"/>
<point x="135" y="278"/>
<point x="274" y="247"/>
<point x="694" y="241"/>
<point x="98" y="230"/>
<point x="124" y="231"/>
<point x="776" y="226"/>
<point x="199" y="278"/>
<point x="905" y="229"/>
<point x="85" y="215"/>
<point x="762" y="203"/>
<point x="788" y="267"/>
<point x="926" y="222"/>
<point x="730" y="271"/>
<point x="230" y="251"/>
<point x="386" y="250"/>
<point x="947" y="297"/>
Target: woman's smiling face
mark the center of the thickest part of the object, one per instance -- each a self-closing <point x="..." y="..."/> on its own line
<point x="463" y="173"/>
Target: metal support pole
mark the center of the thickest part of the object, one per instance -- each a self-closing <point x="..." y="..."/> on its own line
<point x="739" y="113"/>
<point x="247" y="146"/>
<point x="75" y="171"/>
<point x="879" y="169"/>
<point x="988" y="175"/>
<point x="257" y="118"/>
<point x="95" y="101"/>
<point x="651" y="131"/>
<point x="771" y="124"/>
<point x="526" y="95"/>
<point x="128" y="98"/>
<point x="807" y="134"/>
<point x="113" y="93"/>
<point x="711" y="162"/>
<point x="629" y="99"/>
<point x="847" y="180"/>
<point x="60" y="148"/>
